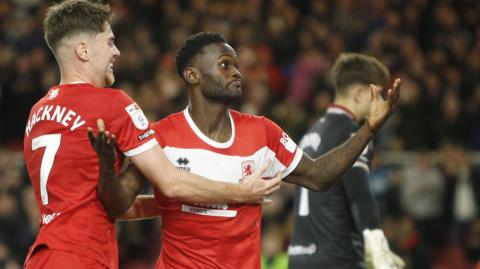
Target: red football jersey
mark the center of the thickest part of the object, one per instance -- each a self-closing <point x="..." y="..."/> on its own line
<point x="63" y="167"/>
<point x="218" y="235"/>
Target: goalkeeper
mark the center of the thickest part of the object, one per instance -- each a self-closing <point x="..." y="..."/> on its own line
<point x="340" y="228"/>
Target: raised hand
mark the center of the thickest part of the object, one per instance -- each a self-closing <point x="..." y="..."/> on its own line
<point x="259" y="188"/>
<point x="103" y="143"/>
<point x="380" y="108"/>
<point x="109" y="192"/>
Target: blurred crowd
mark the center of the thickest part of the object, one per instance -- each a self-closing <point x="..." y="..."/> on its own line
<point x="430" y="200"/>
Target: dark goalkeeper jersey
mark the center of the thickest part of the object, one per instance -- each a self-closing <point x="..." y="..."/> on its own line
<point x="325" y="234"/>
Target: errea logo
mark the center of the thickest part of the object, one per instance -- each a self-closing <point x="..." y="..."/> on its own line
<point x="183" y="164"/>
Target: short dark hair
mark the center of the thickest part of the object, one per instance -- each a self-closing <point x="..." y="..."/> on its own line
<point x="73" y="17"/>
<point x="352" y="68"/>
<point x="194" y="45"/>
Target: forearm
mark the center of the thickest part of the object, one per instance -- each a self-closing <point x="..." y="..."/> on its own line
<point x="117" y="193"/>
<point x="192" y="188"/>
<point x="144" y="207"/>
<point x="184" y="186"/>
<point x="321" y="173"/>
<point x="187" y="187"/>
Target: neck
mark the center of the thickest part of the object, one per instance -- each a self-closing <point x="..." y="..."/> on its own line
<point x="78" y="72"/>
<point x="212" y="118"/>
<point x="349" y="106"/>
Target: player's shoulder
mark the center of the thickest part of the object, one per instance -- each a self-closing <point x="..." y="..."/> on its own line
<point x="89" y="92"/>
<point x="249" y="119"/>
<point x="341" y="122"/>
<point x="169" y="123"/>
<point x="335" y="124"/>
<point x="244" y="116"/>
<point x="329" y="130"/>
<point x="113" y="92"/>
<point x="86" y="88"/>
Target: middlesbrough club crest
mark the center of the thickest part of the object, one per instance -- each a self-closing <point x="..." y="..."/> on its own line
<point x="248" y="168"/>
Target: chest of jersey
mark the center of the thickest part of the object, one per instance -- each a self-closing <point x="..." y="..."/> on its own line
<point x="217" y="166"/>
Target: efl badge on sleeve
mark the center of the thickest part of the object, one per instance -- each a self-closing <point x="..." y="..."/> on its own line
<point x="248" y="168"/>
<point x="137" y="116"/>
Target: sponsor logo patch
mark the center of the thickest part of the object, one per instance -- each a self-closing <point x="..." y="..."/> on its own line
<point x="288" y="143"/>
<point x="302" y="250"/>
<point x="145" y="135"/>
<point x="209" y="212"/>
<point x="137" y="116"/>
<point x="47" y="218"/>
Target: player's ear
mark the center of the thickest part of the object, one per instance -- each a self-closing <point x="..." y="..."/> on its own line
<point x="81" y="50"/>
<point x="191" y="75"/>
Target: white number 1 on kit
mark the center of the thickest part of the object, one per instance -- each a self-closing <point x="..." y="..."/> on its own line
<point x="303" y="207"/>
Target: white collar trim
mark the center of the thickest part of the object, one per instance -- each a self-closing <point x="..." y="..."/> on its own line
<point x="205" y="138"/>
<point x="77" y="82"/>
<point x="337" y="110"/>
<point x="74" y="82"/>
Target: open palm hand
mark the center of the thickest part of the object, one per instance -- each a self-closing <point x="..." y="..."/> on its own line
<point x="380" y="108"/>
<point x="103" y="143"/>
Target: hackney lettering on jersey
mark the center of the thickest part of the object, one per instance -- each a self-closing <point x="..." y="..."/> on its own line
<point x="62" y="115"/>
<point x="323" y="224"/>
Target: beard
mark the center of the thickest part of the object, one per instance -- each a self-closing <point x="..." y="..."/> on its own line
<point x="219" y="93"/>
<point x="222" y="96"/>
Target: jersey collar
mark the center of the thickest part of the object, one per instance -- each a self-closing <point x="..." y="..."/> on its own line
<point x="74" y="82"/>
<point x="207" y="139"/>
<point x="339" y="109"/>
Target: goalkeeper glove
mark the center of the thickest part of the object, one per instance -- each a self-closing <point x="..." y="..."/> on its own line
<point x="377" y="253"/>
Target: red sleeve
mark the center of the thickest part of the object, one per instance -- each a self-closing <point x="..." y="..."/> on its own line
<point x="156" y="127"/>
<point x="130" y="126"/>
<point x="286" y="153"/>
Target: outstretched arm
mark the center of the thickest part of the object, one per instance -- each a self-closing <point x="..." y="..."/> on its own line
<point x="188" y="187"/>
<point x="117" y="194"/>
<point x="321" y="173"/>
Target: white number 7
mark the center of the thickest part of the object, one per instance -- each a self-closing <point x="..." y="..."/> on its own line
<point x="51" y="143"/>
